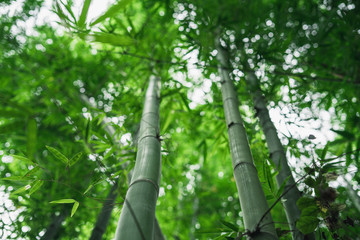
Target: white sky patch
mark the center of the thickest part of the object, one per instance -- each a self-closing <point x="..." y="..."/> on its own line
<point x="125" y="139"/>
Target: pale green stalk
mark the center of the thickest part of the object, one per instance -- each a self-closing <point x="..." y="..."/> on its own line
<point x="252" y="199"/>
<point x="158" y="235"/>
<point x="105" y="214"/>
<point x="277" y="155"/>
<point x="138" y="213"/>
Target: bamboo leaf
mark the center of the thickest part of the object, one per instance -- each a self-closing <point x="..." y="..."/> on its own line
<point x="32" y="171"/>
<point x="20" y="190"/>
<point x="347" y="135"/>
<point x="21" y="158"/>
<point x="17" y="179"/>
<point x="75" y="207"/>
<point x="111" y="11"/>
<point x="112" y="39"/>
<point x="83" y="14"/>
<point x="185" y="101"/>
<point x="75" y="158"/>
<point x="281" y="188"/>
<point x="87" y="131"/>
<point x="168" y="121"/>
<point x="89" y="188"/>
<point x="35" y="186"/>
<point x="58" y="154"/>
<point x="357" y="153"/>
<point x="230" y="225"/>
<point x="348" y="155"/>
<point x="65" y="200"/>
<point x="68" y="8"/>
<point x="324" y="151"/>
<point x="108" y="154"/>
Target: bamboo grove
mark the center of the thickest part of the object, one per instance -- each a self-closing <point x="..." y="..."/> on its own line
<point x="157" y="120"/>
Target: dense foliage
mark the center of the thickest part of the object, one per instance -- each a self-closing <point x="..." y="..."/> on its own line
<point x="72" y="98"/>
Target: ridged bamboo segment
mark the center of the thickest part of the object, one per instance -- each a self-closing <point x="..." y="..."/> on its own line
<point x="252" y="199"/>
<point x="137" y="216"/>
<point x="278" y="156"/>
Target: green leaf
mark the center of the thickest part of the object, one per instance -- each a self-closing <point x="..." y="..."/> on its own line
<point x="58" y="155"/>
<point x="75" y="207"/>
<point x="87" y="131"/>
<point x="185" y="101"/>
<point x="357" y="152"/>
<point x="168" y="121"/>
<point x="11" y="113"/>
<point x="32" y="171"/>
<point x="68" y="8"/>
<point x="269" y="197"/>
<point x="281" y="188"/>
<point x="324" y="151"/>
<point x="111" y="11"/>
<point x="89" y="187"/>
<point x="332" y="166"/>
<point x="66" y="200"/>
<point x="108" y="154"/>
<point x="83" y="14"/>
<point x="307" y="224"/>
<point x="305" y="202"/>
<point x="347" y="135"/>
<point x="17" y="179"/>
<point x="115" y="40"/>
<point x="75" y="158"/>
<point x="35" y="186"/>
<point x="310" y="211"/>
<point x="230" y="225"/>
<point x="21" y="158"/>
<point x="310" y="182"/>
<point x="20" y="190"/>
<point x="348" y="154"/>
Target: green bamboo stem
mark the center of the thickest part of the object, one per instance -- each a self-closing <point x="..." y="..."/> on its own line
<point x="105" y="214"/>
<point x="277" y="155"/>
<point x="252" y="199"/>
<point x="355" y="199"/>
<point x="138" y="213"/>
<point x="158" y="235"/>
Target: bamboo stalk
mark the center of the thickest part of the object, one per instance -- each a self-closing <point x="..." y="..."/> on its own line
<point x="277" y="155"/>
<point x="138" y="213"/>
<point x="252" y="199"/>
<point x="105" y="214"/>
<point x="158" y="235"/>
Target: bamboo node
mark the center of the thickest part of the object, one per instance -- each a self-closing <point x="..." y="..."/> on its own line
<point x="240" y="163"/>
<point x="146" y="180"/>
<point x="233" y="123"/>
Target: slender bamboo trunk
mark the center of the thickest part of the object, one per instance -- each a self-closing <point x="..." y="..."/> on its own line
<point x="277" y="155"/>
<point x="138" y="213"/>
<point x="252" y="199"/>
<point x="355" y="199"/>
<point x="54" y="228"/>
<point x="158" y="235"/>
<point x="105" y="214"/>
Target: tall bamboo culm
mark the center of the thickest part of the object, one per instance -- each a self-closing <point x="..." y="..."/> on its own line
<point x="277" y="155"/>
<point x="138" y="213"/>
<point x="252" y="199"/>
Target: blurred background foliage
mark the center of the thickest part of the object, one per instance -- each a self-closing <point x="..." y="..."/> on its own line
<point x="79" y="87"/>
